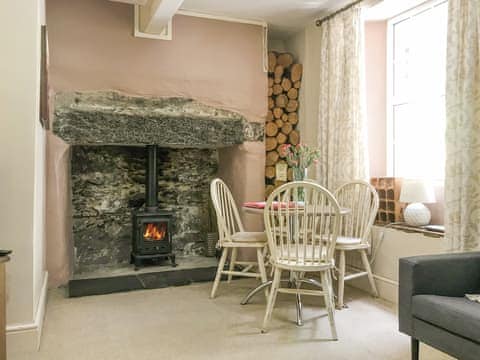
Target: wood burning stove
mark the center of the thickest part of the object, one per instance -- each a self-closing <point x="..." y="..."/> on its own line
<point x="151" y="237"/>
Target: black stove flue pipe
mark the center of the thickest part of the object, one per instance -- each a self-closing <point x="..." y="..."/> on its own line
<point x="151" y="186"/>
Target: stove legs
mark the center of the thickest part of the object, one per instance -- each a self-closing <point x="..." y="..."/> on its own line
<point x="140" y="261"/>
<point x="172" y="260"/>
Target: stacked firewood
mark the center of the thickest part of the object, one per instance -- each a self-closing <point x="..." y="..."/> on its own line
<point x="284" y="80"/>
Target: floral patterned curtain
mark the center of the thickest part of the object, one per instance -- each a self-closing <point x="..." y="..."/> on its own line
<point x="462" y="174"/>
<point x="341" y="123"/>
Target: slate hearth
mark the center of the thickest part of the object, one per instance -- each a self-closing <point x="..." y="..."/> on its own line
<point x="119" y="279"/>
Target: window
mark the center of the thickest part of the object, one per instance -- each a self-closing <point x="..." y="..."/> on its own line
<point x="416" y="92"/>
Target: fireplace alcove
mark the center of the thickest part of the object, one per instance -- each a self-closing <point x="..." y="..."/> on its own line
<point x="109" y="132"/>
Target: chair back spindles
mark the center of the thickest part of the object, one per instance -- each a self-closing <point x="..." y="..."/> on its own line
<point x="362" y="199"/>
<point x="302" y="222"/>
<point x="228" y="218"/>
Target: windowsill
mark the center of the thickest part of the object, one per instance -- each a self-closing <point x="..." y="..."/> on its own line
<point x="414" y="229"/>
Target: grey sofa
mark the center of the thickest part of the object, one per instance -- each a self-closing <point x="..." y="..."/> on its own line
<point x="432" y="304"/>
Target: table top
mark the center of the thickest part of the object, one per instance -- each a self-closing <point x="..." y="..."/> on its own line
<point x="258" y="211"/>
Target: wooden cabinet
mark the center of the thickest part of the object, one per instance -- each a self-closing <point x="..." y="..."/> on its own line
<point x="3" y="345"/>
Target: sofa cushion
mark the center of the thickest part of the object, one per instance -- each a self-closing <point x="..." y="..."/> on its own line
<point x="455" y="314"/>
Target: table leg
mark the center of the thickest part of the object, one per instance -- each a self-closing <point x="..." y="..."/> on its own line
<point x="298" y="301"/>
<point x="264" y="285"/>
<point x="252" y="292"/>
<point x="299" y="310"/>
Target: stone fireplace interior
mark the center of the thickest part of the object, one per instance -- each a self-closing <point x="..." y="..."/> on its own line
<point x="108" y="185"/>
<point x="113" y="178"/>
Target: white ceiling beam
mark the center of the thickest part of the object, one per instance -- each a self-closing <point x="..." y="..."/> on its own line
<point x="155" y="15"/>
<point x="134" y="2"/>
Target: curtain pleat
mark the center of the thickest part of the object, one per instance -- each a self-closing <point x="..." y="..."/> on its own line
<point x="341" y="123"/>
<point x="462" y="171"/>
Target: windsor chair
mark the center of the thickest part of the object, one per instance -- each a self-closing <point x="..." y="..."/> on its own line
<point x="232" y="236"/>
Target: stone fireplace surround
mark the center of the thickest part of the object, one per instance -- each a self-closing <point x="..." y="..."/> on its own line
<point x="108" y="132"/>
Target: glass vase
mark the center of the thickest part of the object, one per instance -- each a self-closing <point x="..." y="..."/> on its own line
<point x="299" y="175"/>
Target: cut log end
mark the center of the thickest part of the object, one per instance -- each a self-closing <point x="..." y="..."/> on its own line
<point x="294" y="137"/>
<point x="296" y="72"/>
<point x="271" y="129"/>
<point x="285" y="59"/>
<point x="270" y="172"/>
<point x="287" y="128"/>
<point x="293" y="118"/>
<point x="270" y="143"/>
<point x="291" y="106"/>
<point x="269" y="116"/>
<point x="277" y="112"/>
<point x="272" y="61"/>
<point x="271" y="158"/>
<point x="292" y="94"/>
<point x="277" y="89"/>
<point x="278" y="71"/>
<point x="281" y="100"/>
<point x="286" y="84"/>
<point x="281" y="138"/>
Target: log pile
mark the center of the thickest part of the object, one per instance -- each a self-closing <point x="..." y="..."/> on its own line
<point x="284" y="81"/>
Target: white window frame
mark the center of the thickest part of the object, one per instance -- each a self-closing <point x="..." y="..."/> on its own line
<point x="390" y="139"/>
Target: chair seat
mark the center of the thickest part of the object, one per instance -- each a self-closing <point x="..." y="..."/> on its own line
<point x="346" y="242"/>
<point x="247" y="236"/>
<point x="457" y="315"/>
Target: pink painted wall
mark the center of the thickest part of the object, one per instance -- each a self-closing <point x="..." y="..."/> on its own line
<point x="376" y="95"/>
<point x="216" y="62"/>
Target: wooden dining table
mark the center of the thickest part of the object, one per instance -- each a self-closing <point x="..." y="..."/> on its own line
<point x="258" y="208"/>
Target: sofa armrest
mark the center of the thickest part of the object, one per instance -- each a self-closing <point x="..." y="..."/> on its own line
<point x="446" y="275"/>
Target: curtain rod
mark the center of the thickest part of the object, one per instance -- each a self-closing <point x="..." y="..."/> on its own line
<point x="319" y="22"/>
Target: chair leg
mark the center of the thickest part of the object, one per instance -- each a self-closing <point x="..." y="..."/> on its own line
<point x="371" y="279"/>
<point x="329" y="304"/>
<point x="266" y="260"/>
<point x="271" y="299"/>
<point x="233" y="259"/>
<point x="341" y="280"/>
<point x="261" y="268"/>
<point x="221" y="264"/>
<point x="330" y="288"/>
<point x="415" y="348"/>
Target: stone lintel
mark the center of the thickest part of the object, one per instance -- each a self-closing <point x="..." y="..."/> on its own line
<point x="112" y="118"/>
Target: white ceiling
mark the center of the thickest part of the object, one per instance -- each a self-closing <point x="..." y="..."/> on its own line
<point x="285" y="17"/>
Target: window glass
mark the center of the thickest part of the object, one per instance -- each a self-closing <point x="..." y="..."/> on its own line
<point x="417" y="93"/>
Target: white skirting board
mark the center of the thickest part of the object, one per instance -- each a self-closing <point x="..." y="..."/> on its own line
<point x="390" y="245"/>
<point x="387" y="288"/>
<point x="27" y="337"/>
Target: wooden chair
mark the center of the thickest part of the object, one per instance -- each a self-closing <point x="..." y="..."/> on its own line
<point x="362" y="199"/>
<point x="301" y="238"/>
<point x="232" y="236"/>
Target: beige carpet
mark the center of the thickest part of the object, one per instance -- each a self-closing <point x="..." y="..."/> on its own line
<point x="183" y="323"/>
